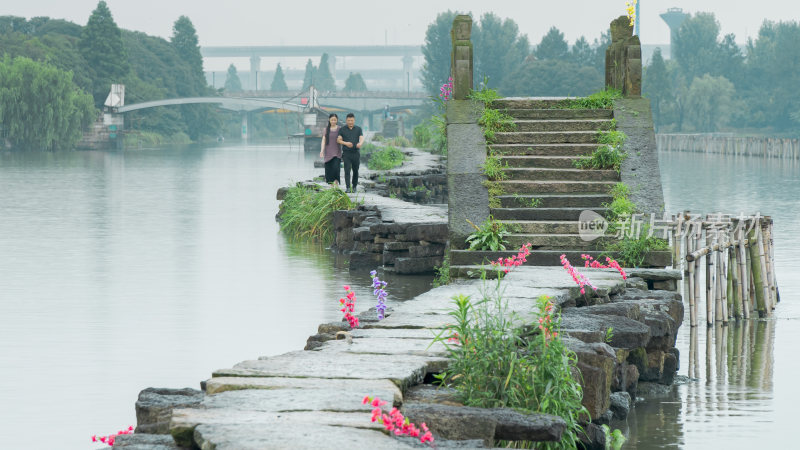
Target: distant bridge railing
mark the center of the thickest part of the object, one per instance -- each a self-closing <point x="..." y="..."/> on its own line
<point x="765" y="147"/>
<point x="330" y="94"/>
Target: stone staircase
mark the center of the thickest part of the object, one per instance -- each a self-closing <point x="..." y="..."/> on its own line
<point x="540" y="155"/>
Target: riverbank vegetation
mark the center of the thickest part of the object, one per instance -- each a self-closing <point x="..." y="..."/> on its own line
<point x="496" y="363"/>
<point x="631" y="247"/>
<point x="100" y="54"/>
<point x="305" y="212"/>
<point x="40" y="106"/>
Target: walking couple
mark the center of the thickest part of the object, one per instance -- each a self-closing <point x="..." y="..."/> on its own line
<point x="342" y="144"/>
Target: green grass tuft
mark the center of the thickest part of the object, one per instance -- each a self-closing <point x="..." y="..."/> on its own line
<point x="305" y="212"/>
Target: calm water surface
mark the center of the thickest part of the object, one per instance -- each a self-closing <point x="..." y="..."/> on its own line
<point x="120" y="271"/>
<point x="124" y="270"/>
<point x="744" y="391"/>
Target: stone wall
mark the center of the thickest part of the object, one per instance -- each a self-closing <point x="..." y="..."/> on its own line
<point x="404" y="247"/>
<point x="466" y="150"/>
<point x="640" y="170"/>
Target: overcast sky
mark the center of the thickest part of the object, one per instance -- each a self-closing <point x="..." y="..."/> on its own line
<point x="352" y="22"/>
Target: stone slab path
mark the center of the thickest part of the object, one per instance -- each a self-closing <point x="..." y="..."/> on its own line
<point x="312" y="399"/>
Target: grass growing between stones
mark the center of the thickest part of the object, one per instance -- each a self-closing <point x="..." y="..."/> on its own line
<point x="494" y="169"/>
<point x="400" y="141"/>
<point x="386" y="158"/>
<point x="610" y="154"/>
<point x="442" y="272"/>
<point x="599" y="100"/>
<point x="495" y="363"/>
<point x="305" y="212"/>
<point x="631" y="250"/>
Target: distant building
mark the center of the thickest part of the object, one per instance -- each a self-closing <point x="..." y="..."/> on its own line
<point x="674" y="17"/>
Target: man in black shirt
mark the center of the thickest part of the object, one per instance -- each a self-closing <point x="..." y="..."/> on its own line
<point x="351" y="138"/>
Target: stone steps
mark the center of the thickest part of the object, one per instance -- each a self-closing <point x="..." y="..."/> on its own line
<point x="557" y="214"/>
<point x="554" y="241"/>
<point x="562" y="125"/>
<point x="544" y="257"/>
<point x="543" y="226"/>
<point x="554" y="150"/>
<point x="543" y="114"/>
<point x="546" y="137"/>
<point x="552" y="187"/>
<point x="544" y="162"/>
<point x="555" y="200"/>
<point x="548" y="174"/>
<point x="529" y="102"/>
<point x="550" y="149"/>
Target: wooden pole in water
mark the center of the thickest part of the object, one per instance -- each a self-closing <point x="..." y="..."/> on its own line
<point x="770" y="256"/>
<point x="743" y="278"/>
<point x="691" y="278"/>
<point x="755" y="264"/>
<point x="709" y="281"/>
<point x="762" y="259"/>
<point x="730" y="291"/>
<point x="736" y="283"/>
<point x="772" y="260"/>
<point x="697" y="238"/>
<point x="719" y="310"/>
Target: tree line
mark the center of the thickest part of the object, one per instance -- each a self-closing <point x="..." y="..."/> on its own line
<point x="506" y="58"/>
<point x="712" y="84"/>
<point x="95" y="56"/>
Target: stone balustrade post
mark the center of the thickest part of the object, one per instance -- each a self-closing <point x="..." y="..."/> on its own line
<point x="461" y="56"/>
<point x="624" y="59"/>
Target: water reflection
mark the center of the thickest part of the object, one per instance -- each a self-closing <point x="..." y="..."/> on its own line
<point x="729" y="386"/>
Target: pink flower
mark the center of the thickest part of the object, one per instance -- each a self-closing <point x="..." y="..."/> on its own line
<point x="346" y="287"/>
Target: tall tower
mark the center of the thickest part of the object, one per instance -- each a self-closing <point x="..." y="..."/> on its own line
<point x="674" y="17"/>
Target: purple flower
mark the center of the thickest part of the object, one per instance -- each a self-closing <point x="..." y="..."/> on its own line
<point x="379" y="292"/>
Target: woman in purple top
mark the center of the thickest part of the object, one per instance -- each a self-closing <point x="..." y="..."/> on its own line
<point x="331" y="152"/>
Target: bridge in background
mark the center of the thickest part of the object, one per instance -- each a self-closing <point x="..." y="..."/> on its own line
<point x="407" y="53"/>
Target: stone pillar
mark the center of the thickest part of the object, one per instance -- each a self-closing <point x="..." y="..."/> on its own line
<point x="408" y="63"/>
<point x="624" y="59"/>
<point x="255" y="66"/>
<point x="461" y="56"/>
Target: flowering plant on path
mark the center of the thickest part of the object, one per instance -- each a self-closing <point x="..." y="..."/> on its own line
<point x="506" y="264"/>
<point x="111" y="437"/>
<point x="394" y="422"/>
<point x="612" y="264"/>
<point x="379" y="291"/>
<point x="546" y="324"/>
<point x="446" y="90"/>
<point x="348" y="307"/>
<point x="580" y="279"/>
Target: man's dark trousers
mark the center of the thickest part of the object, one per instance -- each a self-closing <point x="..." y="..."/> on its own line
<point x="352" y="160"/>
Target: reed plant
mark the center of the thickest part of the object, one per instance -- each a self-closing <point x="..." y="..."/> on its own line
<point x="306" y="212"/>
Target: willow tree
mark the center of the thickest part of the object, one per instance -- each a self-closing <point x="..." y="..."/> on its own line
<point x="40" y="106"/>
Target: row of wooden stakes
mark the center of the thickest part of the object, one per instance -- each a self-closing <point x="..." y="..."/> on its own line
<point x="739" y="260"/>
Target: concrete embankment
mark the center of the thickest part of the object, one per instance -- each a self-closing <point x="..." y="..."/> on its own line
<point x="312" y="398"/>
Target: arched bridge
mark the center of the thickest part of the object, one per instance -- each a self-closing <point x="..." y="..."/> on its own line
<point x="229" y="103"/>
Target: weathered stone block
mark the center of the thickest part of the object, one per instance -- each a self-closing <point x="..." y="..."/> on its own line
<point x="397" y="246"/>
<point x="620" y="404"/>
<point x="389" y="258"/>
<point x="417" y="265"/>
<point x="362" y="234"/>
<point x="422" y="251"/>
<point x="666" y="285"/>
<point x="154" y="407"/>
<point x="433" y="232"/>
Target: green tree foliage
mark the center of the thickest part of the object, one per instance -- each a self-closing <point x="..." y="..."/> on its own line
<point x="552" y="78"/>
<point x="279" y="80"/>
<point x="232" y="81"/>
<point x="355" y="83"/>
<point x="309" y="78"/>
<point x="657" y="87"/>
<point x="499" y="49"/>
<point x="709" y="103"/>
<point x="184" y="39"/>
<point x="102" y="49"/>
<point x="436" y="51"/>
<point x="324" y="79"/>
<point x="582" y="53"/>
<point x="552" y="46"/>
<point x="696" y="48"/>
<point x="40" y="106"/>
